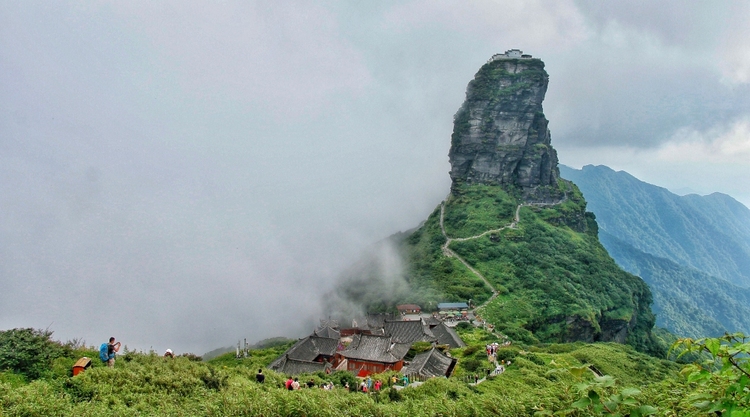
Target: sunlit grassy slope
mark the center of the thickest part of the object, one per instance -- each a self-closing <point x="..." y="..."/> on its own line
<point x="539" y="378"/>
<point x="556" y="282"/>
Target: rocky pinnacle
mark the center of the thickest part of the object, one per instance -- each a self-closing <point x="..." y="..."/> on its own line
<point x="500" y="134"/>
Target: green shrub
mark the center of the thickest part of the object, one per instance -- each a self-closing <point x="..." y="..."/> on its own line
<point x="506" y="354"/>
<point x="464" y="326"/>
<point x="214" y="380"/>
<point x="191" y="356"/>
<point x="394" y="395"/>
<point x="469" y="350"/>
<point x="471" y="365"/>
<point x="418" y="348"/>
<point x="29" y="352"/>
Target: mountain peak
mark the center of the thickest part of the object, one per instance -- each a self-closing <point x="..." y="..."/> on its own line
<point x="500" y="133"/>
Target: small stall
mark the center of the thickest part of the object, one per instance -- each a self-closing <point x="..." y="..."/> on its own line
<point x="81" y="365"/>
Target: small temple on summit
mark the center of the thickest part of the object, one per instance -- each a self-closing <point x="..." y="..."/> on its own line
<point x="511" y="54"/>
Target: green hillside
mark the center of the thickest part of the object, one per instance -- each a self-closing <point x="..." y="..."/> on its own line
<point x="691" y="250"/>
<point x="541" y="380"/>
<point x="709" y="233"/>
<point x="555" y="281"/>
<point x="512" y="237"/>
<point x="688" y="302"/>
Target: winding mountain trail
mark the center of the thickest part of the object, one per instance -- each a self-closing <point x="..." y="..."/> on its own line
<point x="449" y="253"/>
<point x="512" y="225"/>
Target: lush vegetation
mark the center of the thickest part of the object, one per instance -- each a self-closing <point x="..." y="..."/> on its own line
<point x="723" y="378"/>
<point x="688" y="302"/>
<point x="686" y="248"/>
<point x="553" y="379"/>
<point x="425" y="276"/>
<point x="708" y="233"/>
<point x="476" y="209"/>
<point x="556" y="282"/>
<point x="31" y="353"/>
<point x="448" y="278"/>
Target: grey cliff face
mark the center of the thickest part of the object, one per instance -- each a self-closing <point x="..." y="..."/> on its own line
<point x="500" y="134"/>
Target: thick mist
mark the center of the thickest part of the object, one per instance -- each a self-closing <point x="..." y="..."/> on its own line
<point x="183" y="175"/>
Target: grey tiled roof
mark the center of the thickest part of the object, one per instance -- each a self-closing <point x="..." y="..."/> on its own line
<point x="447" y="336"/>
<point x="308" y="349"/>
<point x="291" y="366"/>
<point x="374" y="321"/>
<point x="329" y="323"/>
<point x="409" y="331"/>
<point x="326" y="345"/>
<point x="429" y="364"/>
<point x="328" y="332"/>
<point x="378" y="332"/>
<point x="431" y="321"/>
<point x="375" y="349"/>
<point x="377" y="320"/>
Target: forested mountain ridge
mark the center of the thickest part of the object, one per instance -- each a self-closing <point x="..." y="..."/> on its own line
<point x="709" y="233"/>
<point x="688" y="300"/>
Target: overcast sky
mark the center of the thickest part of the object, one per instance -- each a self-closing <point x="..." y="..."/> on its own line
<point x="184" y="174"/>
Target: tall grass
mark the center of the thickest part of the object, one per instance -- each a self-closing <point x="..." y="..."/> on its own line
<point x="146" y="385"/>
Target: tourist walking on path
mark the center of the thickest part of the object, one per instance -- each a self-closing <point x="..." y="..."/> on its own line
<point x="259" y="377"/>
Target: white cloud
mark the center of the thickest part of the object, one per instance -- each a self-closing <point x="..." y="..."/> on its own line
<point x="732" y="55"/>
<point x="714" y="160"/>
<point x="719" y="145"/>
<point x="288" y="57"/>
<point x="527" y="24"/>
<point x="256" y="147"/>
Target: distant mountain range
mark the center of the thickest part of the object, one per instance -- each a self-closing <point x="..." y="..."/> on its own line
<point x="693" y="251"/>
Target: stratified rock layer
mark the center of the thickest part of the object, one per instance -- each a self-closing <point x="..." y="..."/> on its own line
<point x="500" y="134"/>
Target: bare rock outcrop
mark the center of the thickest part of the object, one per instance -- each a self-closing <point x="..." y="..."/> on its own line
<point x="500" y="133"/>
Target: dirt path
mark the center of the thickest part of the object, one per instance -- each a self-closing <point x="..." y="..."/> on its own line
<point x="512" y="225"/>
